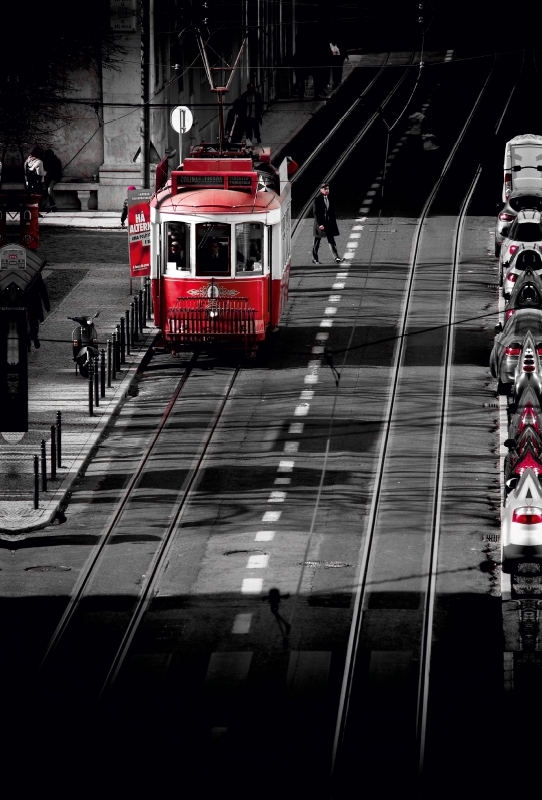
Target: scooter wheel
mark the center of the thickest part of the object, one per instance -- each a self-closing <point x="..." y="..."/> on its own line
<point x="83" y="369"/>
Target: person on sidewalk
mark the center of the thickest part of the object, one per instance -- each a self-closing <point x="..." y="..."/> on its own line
<point x="53" y="174"/>
<point x="339" y="55"/>
<point x="325" y="224"/>
<point x="34" y="172"/>
<point x="246" y="114"/>
<point x="125" y="208"/>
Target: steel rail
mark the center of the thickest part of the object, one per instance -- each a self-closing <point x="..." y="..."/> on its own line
<point x="89" y="567"/>
<point x="358" y="613"/>
<point x="159" y="561"/>
<point x="429" y="603"/>
<point x="338" y="124"/>
<point x="364" y="130"/>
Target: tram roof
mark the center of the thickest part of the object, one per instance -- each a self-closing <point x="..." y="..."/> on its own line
<point x="215" y="201"/>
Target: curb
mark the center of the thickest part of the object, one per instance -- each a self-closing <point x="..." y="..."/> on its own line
<point x="87" y="449"/>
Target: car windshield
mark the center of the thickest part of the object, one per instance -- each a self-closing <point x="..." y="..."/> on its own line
<point x="528" y="259"/>
<point x="525" y="201"/>
<point x="523" y="321"/>
<point x="526" y="232"/>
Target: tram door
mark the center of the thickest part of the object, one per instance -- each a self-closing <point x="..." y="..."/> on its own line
<point x="270" y="275"/>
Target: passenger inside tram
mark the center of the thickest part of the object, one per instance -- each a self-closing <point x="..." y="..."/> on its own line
<point x="248" y="240"/>
<point x="213" y="246"/>
<point x="177" y="245"/>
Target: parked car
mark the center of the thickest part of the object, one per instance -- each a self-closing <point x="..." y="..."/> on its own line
<point x="524" y="326"/>
<point x="519" y="200"/>
<point x="522" y="164"/>
<point x="526" y="257"/>
<point x="526" y="292"/>
<point x="521" y="530"/>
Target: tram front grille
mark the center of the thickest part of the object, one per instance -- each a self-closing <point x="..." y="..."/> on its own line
<point x="193" y="320"/>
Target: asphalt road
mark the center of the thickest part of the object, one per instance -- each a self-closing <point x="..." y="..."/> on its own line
<point x="213" y="693"/>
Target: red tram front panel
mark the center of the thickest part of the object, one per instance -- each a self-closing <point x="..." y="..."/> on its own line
<point x="220" y="251"/>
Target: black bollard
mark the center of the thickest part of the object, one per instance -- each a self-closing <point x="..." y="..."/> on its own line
<point x="128" y="332"/>
<point x="113" y="355"/>
<point x="109" y="364"/>
<point x="117" y="350"/>
<point x="150" y="298"/>
<point x="122" y="342"/>
<point x="135" y="314"/>
<point x="141" y="311"/>
<point x="144" y="299"/>
<point x="36" y="482"/>
<point x="90" y="389"/>
<point x="43" y="467"/>
<point x="102" y="373"/>
<point x="53" y="453"/>
<point x="96" y="390"/>
<point x="59" y="438"/>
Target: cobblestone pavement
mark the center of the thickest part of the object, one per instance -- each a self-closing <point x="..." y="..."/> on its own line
<point x="86" y="271"/>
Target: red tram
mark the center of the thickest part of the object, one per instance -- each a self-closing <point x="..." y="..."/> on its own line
<point x="220" y="249"/>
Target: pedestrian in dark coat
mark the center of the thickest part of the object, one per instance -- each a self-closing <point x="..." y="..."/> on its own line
<point x="53" y="174"/>
<point x="325" y="224"/>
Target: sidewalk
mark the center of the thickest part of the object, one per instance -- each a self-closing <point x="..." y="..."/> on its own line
<point x="53" y="385"/>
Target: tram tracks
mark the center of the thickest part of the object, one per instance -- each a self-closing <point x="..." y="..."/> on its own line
<point x="328" y="143"/>
<point x="416" y="315"/>
<point x="101" y="574"/>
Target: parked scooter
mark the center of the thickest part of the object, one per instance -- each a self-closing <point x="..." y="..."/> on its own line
<point x="85" y="343"/>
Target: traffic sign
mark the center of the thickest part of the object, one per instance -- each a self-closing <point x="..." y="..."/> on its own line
<point x="181" y="119"/>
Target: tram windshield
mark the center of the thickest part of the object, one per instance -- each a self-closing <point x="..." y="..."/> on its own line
<point x="178" y="245"/>
<point x="213" y="248"/>
<point x="248" y="248"/>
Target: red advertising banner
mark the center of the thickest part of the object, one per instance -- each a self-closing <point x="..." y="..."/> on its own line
<point x="139" y="232"/>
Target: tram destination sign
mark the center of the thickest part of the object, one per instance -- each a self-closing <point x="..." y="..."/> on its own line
<point x="216" y="180"/>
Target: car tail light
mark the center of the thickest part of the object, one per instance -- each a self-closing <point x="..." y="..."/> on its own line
<point x="529" y="417"/>
<point x="539" y="348"/>
<point x="513" y="349"/>
<point x="506" y="217"/>
<point x="512" y="277"/>
<point x="527" y="515"/>
<point x="512" y="249"/>
<point x="507" y="184"/>
<point x="509" y="313"/>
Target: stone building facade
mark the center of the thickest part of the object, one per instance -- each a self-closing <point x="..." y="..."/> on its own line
<point x="102" y="145"/>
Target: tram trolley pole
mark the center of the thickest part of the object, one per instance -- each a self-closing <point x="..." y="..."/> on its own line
<point x="36" y="482"/>
<point x="109" y="364"/>
<point x="102" y="373"/>
<point x="122" y="341"/>
<point x="53" y="453"/>
<point x="91" y="388"/>
<point x="96" y="376"/>
<point x="43" y="467"/>
<point x="128" y="332"/>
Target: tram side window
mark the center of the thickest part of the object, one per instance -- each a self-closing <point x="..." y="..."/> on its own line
<point x="213" y="248"/>
<point x="249" y="248"/>
<point x="178" y="245"/>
